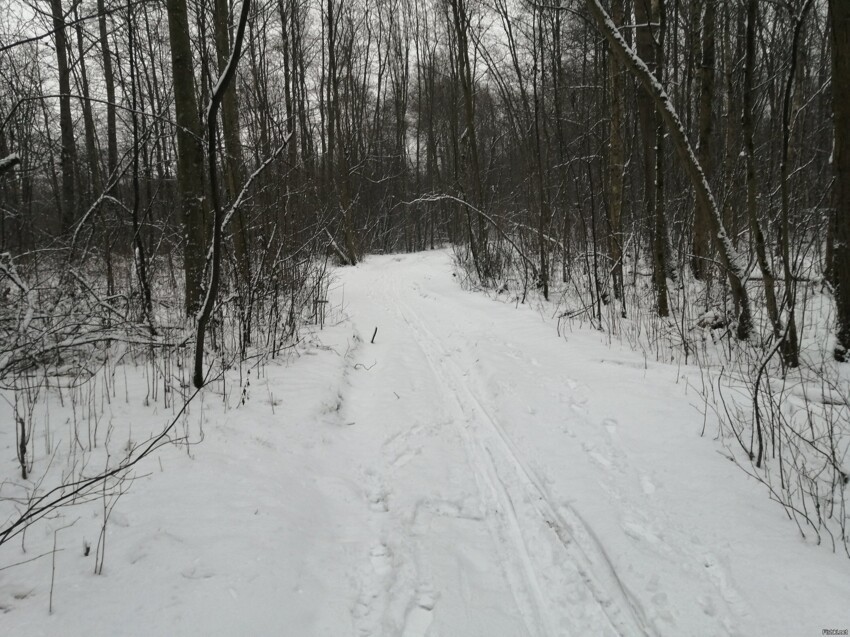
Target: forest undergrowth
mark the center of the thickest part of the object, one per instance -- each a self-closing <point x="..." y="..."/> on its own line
<point x="96" y="379"/>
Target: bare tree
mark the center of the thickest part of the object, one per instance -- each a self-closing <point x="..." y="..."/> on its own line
<point x="840" y="14"/>
<point x="68" y="155"/>
<point x="702" y="236"/>
<point x="190" y="155"/>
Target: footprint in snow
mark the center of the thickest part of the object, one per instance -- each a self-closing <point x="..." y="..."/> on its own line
<point x="197" y="572"/>
<point x="707" y="604"/>
<point x="578" y="404"/>
<point x="376" y="495"/>
<point x="659" y="599"/>
<point x="642" y="533"/>
<point x="419" y="617"/>
<point x="720" y="578"/>
<point x="371" y="599"/>
<point x="597" y="457"/>
<point x="404" y="458"/>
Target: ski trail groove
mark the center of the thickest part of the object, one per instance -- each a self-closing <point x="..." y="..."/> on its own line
<point x="525" y="502"/>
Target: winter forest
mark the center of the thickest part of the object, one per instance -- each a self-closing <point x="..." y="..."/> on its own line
<point x="424" y="317"/>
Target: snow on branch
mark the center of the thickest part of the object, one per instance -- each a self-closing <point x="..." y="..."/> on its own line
<point x="9" y="162"/>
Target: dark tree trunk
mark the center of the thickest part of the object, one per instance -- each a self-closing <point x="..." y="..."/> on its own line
<point x="840" y="14"/>
<point x="234" y="172"/>
<point x="616" y="155"/>
<point x="190" y="153"/>
<point x="68" y="154"/>
<point x="748" y="128"/>
<point x="702" y="239"/>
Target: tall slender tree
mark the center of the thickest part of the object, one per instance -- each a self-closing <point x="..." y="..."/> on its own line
<point x="839" y="11"/>
<point x="702" y="234"/>
<point x="190" y="153"/>
<point x="68" y="154"/>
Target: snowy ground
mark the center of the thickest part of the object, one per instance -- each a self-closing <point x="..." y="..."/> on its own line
<point x="468" y="473"/>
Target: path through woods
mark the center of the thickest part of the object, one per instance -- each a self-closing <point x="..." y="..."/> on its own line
<point x="522" y="484"/>
<point x="467" y="474"/>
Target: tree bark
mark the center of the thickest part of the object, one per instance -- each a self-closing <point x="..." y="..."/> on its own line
<point x="748" y="129"/>
<point x="616" y="155"/>
<point x="460" y="21"/>
<point x="190" y="153"/>
<point x="649" y="15"/>
<point x="840" y="13"/>
<point x="109" y="81"/>
<point x="68" y="153"/>
<point x="111" y="136"/>
<point x="233" y="164"/>
<point x="216" y="98"/>
<point x="94" y="183"/>
<point x="702" y="232"/>
<point x="791" y="345"/>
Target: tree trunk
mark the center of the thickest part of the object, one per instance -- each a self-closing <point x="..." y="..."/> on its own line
<point x="190" y="153"/>
<point x="140" y="258"/>
<point x="650" y="38"/>
<point x="337" y="162"/>
<point x="67" y="160"/>
<point x="616" y="155"/>
<point x="702" y="232"/>
<point x="540" y="168"/>
<point x="216" y="98"/>
<point x="234" y="172"/>
<point x="109" y="80"/>
<point x="464" y="68"/>
<point x="840" y="14"/>
<point x="111" y="137"/>
<point x="791" y="345"/>
<point x="94" y="184"/>
<point x="748" y="128"/>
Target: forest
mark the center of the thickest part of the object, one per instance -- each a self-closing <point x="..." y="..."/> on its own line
<point x="180" y="180"/>
<point x="701" y="138"/>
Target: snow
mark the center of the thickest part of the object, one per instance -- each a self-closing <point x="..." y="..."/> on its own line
<point x="468" y="473"/>
<point x="9" y="161"/>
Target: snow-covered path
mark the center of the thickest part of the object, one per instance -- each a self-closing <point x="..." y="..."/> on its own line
<point x="481" y="511"/>
<point x="467" y="474"/>
<point x="526" y="485"/>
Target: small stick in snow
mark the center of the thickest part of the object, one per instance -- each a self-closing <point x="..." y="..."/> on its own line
<point x="373" y="335"/>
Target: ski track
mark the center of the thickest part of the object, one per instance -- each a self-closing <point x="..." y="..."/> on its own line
<point x="531" y="513"/>
<point x="554" y="564"/>
<point x="559" y="574"/>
